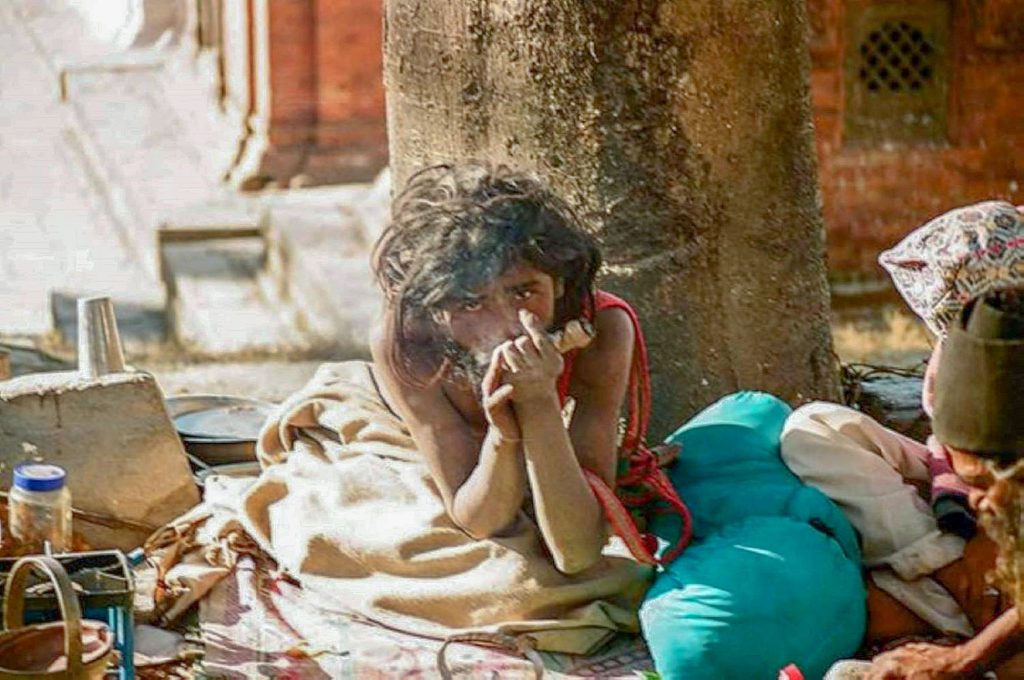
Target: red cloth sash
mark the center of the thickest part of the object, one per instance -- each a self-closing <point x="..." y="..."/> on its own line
<point x="641" y="487"/>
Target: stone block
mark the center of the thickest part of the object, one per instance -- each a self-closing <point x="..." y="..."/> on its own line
<point x="216" y="306"/>
<point x="114" y="437"/>
<point x="895" y="401"/>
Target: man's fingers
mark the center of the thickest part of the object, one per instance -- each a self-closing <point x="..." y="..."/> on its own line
<point x="525" y="346"/>
<point x="498" y="397"/>
<point x="511" y="356"/>
<point x="493" y="374"/>
<point x="534" y="329"/>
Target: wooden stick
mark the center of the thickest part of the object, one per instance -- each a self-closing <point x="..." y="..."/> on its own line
<point x="100" y="519"/>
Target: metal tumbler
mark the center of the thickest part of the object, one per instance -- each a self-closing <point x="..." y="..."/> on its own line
<point x="99" y="343"/>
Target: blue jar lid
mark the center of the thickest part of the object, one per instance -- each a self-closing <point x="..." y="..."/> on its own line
<point x="39" y="477"/>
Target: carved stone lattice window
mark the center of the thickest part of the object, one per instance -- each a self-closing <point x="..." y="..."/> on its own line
<point x="896" y="57"/>
<point x="897" y="72"/>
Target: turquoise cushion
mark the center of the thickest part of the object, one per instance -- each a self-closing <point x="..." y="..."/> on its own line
<point x="773" y="574"/>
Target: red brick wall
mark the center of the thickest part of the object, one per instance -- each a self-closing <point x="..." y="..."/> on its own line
<point x="350" y="81"/>
<point x="314" y="95"/>
<point x="292" y="62"/>
<point x="875" y="194"/>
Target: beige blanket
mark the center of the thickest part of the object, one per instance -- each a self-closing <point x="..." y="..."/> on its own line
<point x="346" y="504"/>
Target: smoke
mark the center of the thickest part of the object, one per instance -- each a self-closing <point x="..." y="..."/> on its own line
<point x="465" y="365"/>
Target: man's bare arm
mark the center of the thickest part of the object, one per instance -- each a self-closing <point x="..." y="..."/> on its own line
<point x="481" y="477"/>
<point x="994" y="645"/>
<point x="570" y="518"/>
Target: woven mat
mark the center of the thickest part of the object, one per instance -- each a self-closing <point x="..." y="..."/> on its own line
<point x="257" y="627"/>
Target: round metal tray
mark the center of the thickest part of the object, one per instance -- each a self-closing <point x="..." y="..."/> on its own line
<point x="218" y="419"/>
<point x="249" y="469"/>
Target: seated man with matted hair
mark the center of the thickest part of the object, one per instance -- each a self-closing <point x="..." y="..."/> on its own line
<point x="917" y="532"/>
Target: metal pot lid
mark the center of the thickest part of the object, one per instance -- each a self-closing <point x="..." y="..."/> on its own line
<point x="217" y="418"/>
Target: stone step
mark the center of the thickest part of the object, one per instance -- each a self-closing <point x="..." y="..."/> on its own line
<point x="319" y="265"/>
<point x="216" y="306"/>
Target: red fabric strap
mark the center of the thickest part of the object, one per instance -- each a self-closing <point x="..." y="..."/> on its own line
<point x="656" y="495"/>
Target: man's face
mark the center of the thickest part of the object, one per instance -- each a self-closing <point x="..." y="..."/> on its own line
<point x="988" y="494"/>
<point x="489" y="317"/>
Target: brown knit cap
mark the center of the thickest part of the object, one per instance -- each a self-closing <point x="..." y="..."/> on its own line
<point x="979" y="392"/>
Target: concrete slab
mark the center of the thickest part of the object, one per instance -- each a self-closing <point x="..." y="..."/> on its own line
<point x="134" y="149"/>
<point x="114" y="438"/>
<point x="56" y="230"/>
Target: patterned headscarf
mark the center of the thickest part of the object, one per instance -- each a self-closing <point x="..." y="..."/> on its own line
<point x="958" y="256"/>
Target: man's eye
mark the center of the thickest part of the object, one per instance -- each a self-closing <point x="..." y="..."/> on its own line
<point x="523" y="295"/>
<point x="470" y="306"/>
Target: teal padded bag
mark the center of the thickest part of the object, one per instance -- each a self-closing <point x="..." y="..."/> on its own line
<point x="773" y="575"/>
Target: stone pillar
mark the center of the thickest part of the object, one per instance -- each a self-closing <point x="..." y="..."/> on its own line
<point x="680" y="130"/>
<point x="313" y="96"/>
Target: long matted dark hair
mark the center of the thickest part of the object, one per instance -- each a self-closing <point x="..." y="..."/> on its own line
<point x="454" y="229"/>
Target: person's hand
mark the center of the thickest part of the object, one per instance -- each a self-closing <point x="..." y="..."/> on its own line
<point x="497" y="401"/>
<point x="965" y="580"/>
<point x="917" y="661"/>
<point x="666" y="453"/>
<point x="531" y="364"/>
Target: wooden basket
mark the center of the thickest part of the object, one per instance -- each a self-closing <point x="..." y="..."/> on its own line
<point x="71" y="649"/>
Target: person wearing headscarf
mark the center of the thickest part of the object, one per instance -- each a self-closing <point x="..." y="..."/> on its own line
<point x="910" y="508"/>
<point x="979" y="401"/>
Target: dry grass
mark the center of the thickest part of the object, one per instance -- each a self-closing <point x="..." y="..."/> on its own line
<point x="892" y="337"/>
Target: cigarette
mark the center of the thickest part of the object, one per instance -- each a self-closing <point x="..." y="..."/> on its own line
<point x="576" y="334"/>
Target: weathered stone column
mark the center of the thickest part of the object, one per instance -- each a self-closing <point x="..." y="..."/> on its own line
<point x="681" y="131"/>
<point x="308" y="76"/>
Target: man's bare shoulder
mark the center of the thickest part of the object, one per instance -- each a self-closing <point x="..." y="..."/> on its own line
<point x="606" y="360"/>
<point x="417" y="404"/>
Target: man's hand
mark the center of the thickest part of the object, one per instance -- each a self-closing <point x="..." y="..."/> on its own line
<point x="918" y="661"/>
<point x="497" y="401"/>
<point x="965" y="580"/>
<point x="667" y="453"/>
<point x="531" y="362"/>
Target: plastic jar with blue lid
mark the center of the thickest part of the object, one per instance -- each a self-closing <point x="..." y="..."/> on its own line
<point x="39" y="507"/>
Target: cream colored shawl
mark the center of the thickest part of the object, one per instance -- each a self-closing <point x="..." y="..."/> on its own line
<point x="346" y="504"/>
